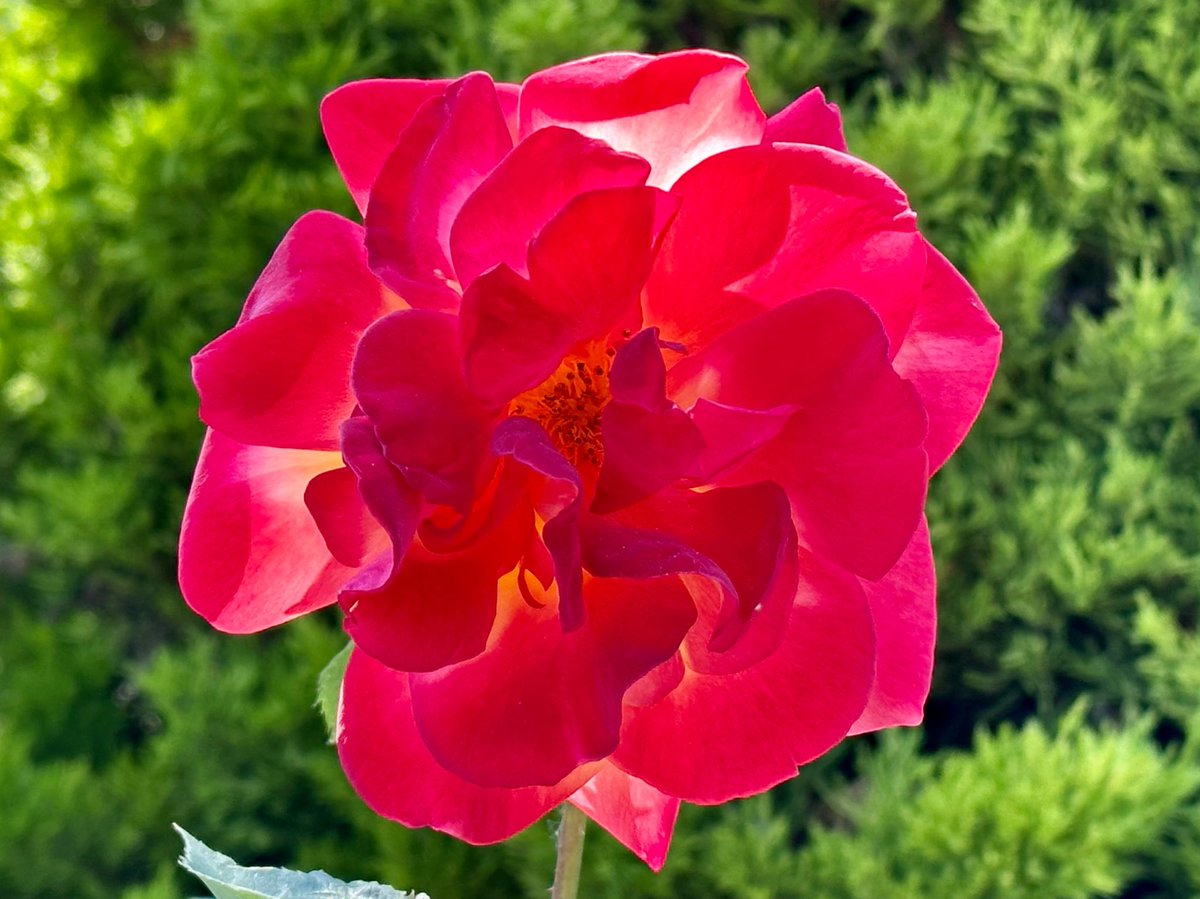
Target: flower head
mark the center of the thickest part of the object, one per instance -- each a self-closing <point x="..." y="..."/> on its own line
<point x="609" y="430"/>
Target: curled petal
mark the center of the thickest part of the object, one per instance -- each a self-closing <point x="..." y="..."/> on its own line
<point x="672" y="110"/>
<point x="408" y="379"/>
<point x="586" y="268"/>
<point x="950" y="354"/>
<point x="558" y="505"/>
<point x="539" y="703"/>
<point x="851" y="457"/>
<point x="904" y="611"/>
<point x="445" y="152"/>
<point x="745" y="734"/>
<point x="808" y="120"/>
<point x="363" y="120"/>
<point x="280" y="377"/>
<point x="351" y="533"/>
<point x="528" y="188"/>
<point x="638" y="815"/>
<point x="649" y="442"/>
<point x="773" y="222"/>
<point x="250" y="555"/>
<point x="389" y="765"/>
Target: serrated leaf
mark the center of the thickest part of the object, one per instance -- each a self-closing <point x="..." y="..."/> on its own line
<point x="226" y="879"/>
<point x="329" y="687"/>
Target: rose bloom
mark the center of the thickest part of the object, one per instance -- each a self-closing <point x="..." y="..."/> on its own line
<point x="609" y="430"/>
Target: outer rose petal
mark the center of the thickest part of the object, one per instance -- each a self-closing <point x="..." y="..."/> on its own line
<point x="904" y="610"/>
<point x="770" y="223"/>
<point x="250" y="555"/>
<point x="638" y="815"/>
<point x="950" y="354"/>
<point x="808" y="120"/>
<point x="409" y="381"/>
<point x="539" y="703"/>
<point x="280" y="377"/>
<point x="527" y="189"/>
<point x="447" y="150"/>
<point x="719" y="737"/>
<point x="363" y="120"/>
<point x="389" y="766"/>
<point x="672" y="110"/>
<point x="851" y="457"/>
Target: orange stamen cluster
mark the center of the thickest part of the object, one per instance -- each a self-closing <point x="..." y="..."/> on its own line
<point x="568" y="404"/>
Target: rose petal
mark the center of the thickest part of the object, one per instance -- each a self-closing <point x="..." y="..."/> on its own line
<point x="351" y="533"/>
<point x="714" y="737"/>
<point x="672" y="110"/>
<point x="904" y="610"/>
<point x="559" y="502"/>
<point x="392" y="502"/>
<point x="774" y="222"/>
<point x="539" y="703"/>
<point x="649" y="442"/>
<point x="389" y="766"/>
<point x="363" y="120"/>
<point x="446" y="151"/>
<point x="526" y="190"/>
<point x="639" y="816"/>
<point x="950" y="354"/>
<point x="250" y="555"/>
<point x="851" y="458"/>
<point x="280" y="377"/>
<point x="586" y="269"/>
<point x="408" y="379"/>
<point x="808" y="120"/>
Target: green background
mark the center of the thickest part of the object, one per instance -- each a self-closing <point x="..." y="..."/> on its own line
<point x="152" y="152"/>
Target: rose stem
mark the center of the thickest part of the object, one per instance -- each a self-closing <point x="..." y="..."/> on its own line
<point x="570" y="853"/>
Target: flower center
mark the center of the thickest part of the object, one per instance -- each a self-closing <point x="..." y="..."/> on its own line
<point x="568" y="404"/>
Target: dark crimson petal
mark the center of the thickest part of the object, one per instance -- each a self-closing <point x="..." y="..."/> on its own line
<point x="446" y="151"/>
<point x="280" y="377"/>
<point x="774" y="222"/>
<point x="558" y="504"/>
<point x="639" y="816"/>
<point x="808" y="120"/>
<point x="649" y="442"/>
<point x="747" y="533"/>
<point x="851" y="458"/>
<point x="526" y="190"/>
<point x="539" y="703"/>
<point x="433" y="611"/>
<point x="388" y="764"/>
<point x="250" y="555"/>
<point x="950" y="354"/>
<point x="351" y="533"/>
<point x="715" y="737"/>
<point x="673" y="110"/>
<point x="408" y="379"/>
<point x="586" y="269"/>
<point x="363" y="120"/>
<point x="904" y="610"/>
<point x="395" y="505"/>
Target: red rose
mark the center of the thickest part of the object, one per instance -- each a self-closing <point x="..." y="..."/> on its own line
<point x="610" y="432"/>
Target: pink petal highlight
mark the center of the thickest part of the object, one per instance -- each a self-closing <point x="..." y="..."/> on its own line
<point x="808" y="120"/>
<point x="905" y="616"/>
<point x="672" y="110"/>
<point x="950" y="354"/>
<point x="250" y="555"/>
<point x="639" y="816"/>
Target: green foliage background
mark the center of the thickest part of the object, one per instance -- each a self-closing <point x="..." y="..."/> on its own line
<point x="153" y="151"/>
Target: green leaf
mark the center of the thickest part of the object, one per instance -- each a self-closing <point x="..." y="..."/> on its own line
<point x="329" y="688"/>
<point x="229" y="880"/>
